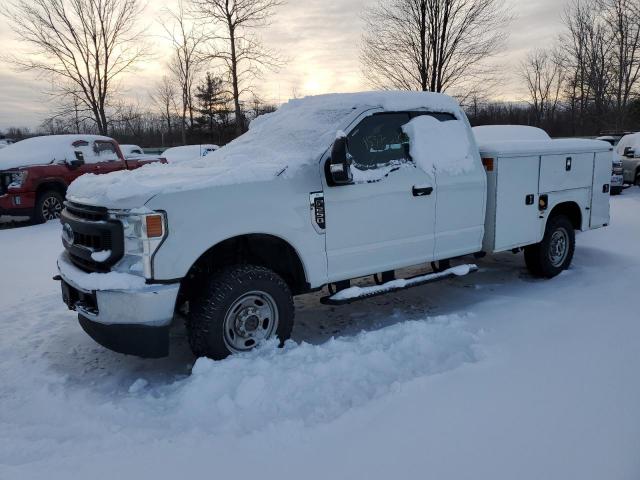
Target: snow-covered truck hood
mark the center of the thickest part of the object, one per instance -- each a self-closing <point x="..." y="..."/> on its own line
<point x="277" y="144"/>
<point x="42" y="150"/>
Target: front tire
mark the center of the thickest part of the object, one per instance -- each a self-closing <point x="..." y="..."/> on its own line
<point x="555" y="252"/>
<point x="239" y="308"/>
<point x="49" y="205"/>
<point x="616" y="191"/>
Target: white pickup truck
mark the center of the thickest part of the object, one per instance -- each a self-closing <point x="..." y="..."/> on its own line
<point x="325" y="190"/>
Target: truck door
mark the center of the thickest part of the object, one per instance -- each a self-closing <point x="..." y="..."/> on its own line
<point x="385" y="218"/>
<point x="600" y="190"/>
<point x="106" y="158"/>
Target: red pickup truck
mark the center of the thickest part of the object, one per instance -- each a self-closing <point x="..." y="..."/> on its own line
<point x="35" y="173"/>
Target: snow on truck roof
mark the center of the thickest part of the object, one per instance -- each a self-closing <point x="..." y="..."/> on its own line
<point x="42" y="150"/>
<point x="296" y="134"/>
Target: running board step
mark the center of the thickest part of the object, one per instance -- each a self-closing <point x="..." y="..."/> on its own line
<point x="353" y="294"/>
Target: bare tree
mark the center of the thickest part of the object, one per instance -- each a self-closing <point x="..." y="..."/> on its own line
<point x="187" y="39"/>
<point x="587" y="61"/>
<point x="164" y="96"/>
<point x="85" y="45"/>
<point x="623" y="19"/>
<point x="433" y="45"/>
<point x="543" y="75"/>
<point x="241" y="52"/>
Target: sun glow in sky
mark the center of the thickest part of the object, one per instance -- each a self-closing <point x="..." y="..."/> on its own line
<point x="319" y="39"/>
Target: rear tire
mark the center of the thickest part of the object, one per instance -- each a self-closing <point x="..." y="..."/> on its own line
<point x="239" y="308"/>
<point x="555" y="252"/>
<point x="616" y="191"/>
<point x="49" y="205"/>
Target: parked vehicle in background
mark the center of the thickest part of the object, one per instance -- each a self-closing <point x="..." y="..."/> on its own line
<point x="188" y="152"/>
<point x="628" y="150"/>
<point x="135" y="152"/>
<point x="131" y="151"/>
<point x="617" y="179"/>
<point x="322" y="191"/>
<point x="35" y="173"/>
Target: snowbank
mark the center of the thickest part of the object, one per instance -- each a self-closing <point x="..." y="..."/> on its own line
<point x="43" y="150"/>
<point x="443" y="146"/>
<point x="296" y="134"/>
<point x="318" y="383"/>
<point x="499" y="133"/>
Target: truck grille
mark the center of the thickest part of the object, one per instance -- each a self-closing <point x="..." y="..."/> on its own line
<point x="87" y="212"/>
<point x="89" y="229"/>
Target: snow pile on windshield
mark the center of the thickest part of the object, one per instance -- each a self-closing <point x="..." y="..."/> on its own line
<point x="277" y="143"/>
<point x="439" y="146"/>
<point x="499" y="133"/>
<point x="188" y="152"/>
<point x="42" y="150"/>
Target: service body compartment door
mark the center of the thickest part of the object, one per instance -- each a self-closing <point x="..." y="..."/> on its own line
<point x="566" y="171"/>
<point x="517" y="221"/>
<point x="600" y="192"/>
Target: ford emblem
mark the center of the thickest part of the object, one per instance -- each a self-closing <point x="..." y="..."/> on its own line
<point x="67" y="234"/>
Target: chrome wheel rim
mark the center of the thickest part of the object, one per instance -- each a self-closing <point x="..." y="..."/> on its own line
<point x="558" y="247"/>
<point x="51" y="208"/>
<point x="249" y="321"/>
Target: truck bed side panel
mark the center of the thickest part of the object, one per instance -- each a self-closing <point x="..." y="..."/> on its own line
<point x="565" y="172"/>
<point x="517" y="221"/>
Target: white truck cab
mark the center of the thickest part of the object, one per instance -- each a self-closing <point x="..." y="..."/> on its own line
<point x="324" y="190"/>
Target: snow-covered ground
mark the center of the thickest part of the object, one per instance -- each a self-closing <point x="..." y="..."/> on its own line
<point x="494" y="375"/>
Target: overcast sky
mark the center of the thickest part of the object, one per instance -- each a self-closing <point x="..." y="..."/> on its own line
<point x="319" y="38"/>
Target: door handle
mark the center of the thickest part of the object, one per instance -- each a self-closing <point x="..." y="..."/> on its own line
<point x="421" y="191"/>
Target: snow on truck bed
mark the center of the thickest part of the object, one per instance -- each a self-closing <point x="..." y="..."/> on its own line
<point x="524" y="140"/>
<point x="42" y="150"/>
<point x="296" y="134"/>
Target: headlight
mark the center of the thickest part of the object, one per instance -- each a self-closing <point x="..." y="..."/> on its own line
<point x="143" y="235"/>
<point x="17" y="179"/>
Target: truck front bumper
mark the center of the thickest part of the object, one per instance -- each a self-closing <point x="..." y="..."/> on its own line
<point x="132" y="321"/>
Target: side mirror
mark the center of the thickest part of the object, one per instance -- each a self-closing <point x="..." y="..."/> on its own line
<point x="629" y="152"/>
<point x="340" y="164"/>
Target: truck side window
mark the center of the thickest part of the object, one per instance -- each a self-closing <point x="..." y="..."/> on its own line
<point x="378" y="140"/>
<point x="104" y="151"/>
<point x="443" y="117"/>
